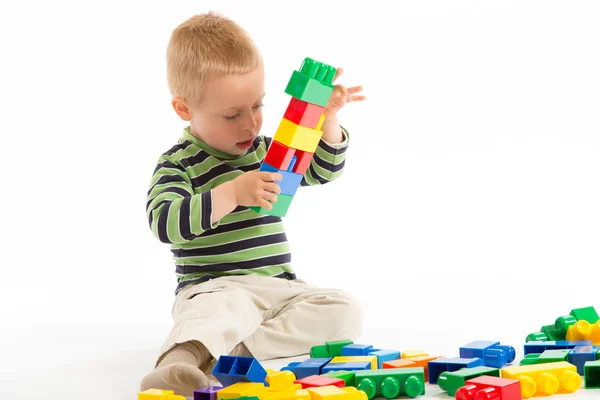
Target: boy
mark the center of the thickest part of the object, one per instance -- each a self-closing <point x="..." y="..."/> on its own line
<point x="237" y="293"/>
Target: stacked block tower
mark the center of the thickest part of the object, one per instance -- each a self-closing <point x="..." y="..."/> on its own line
<point x="292" y="148"/>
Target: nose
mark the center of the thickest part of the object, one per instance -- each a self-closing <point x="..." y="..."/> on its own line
<point x="250" y="122"/>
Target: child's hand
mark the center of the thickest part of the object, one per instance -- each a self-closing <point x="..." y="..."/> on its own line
<point x="340" y="96"/>
<point x="256" y="188"/>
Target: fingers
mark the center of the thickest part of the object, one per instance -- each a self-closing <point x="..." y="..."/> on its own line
<point x="338" y="72"/>
<point x="270" y="197"/>
<point x="272" y="187"/>
<point x="270" y="176"/>
<point x="355" y="98"/>
<point x="354" y="89"/>
<point x="264" y="204"/>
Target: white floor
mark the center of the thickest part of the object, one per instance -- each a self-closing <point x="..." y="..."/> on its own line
<point x="104" y="375"/>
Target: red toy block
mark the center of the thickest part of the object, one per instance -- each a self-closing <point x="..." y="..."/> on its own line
<point x="303" y="113"/>
<point x="490" y="388"/>
<point x="303" y="159"/>
<point x="319" y="381"/>
<point x="279" y="155"/>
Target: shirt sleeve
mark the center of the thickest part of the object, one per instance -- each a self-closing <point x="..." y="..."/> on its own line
<point x="327" y="163"/>
<point x="175" y="213"/>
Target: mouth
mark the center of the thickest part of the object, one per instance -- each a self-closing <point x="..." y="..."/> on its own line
<point x="245" y="145"/>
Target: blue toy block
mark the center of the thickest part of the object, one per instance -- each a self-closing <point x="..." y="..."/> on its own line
<point x="292" y="163"/>
<point x="541" y="346"/>
<point x="436" y="367"/>
<point x="347" y="366"/>
<point x="493" y="354"/>
<point x="308" y="367"/>
<point x="229" y="370"/>
<point x="356" y="350"/>
<point x="385" y="355"/>
<point x="580" y="354"/>
<point x="289" y="182"/>
<point x="291" y="366"/>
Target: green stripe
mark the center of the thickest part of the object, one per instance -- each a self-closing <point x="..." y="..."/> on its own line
<point x="244" y="255"/>
<point x="232" y="237"/>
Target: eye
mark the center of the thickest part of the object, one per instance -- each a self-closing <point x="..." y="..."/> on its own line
<point x="259" y="105"/>
<point x="232" y="117"/>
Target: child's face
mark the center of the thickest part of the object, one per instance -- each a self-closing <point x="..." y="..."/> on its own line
<point x="229" y="117"/>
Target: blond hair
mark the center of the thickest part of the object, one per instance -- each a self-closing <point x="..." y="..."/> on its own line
<point x="207" y="44"/>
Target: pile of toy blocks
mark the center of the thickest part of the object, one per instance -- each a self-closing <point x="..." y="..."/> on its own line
<point x="344" y="370"/>
<point x="295" y="141"/>
<point x="580" y="324"/>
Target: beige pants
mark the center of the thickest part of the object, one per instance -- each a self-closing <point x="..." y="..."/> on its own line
<point x="273" y="317"/>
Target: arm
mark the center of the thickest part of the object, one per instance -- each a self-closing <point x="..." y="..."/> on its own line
<point x="329" y="158"/>
<point x="175" y="213"/>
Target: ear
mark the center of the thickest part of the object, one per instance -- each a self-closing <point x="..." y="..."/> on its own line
<point x="181" y="108"/>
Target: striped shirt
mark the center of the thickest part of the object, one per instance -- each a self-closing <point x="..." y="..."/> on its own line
<point x="179" y="210"/>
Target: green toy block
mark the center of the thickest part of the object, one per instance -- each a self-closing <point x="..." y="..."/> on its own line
<point x="588" y="314"/>
<point x="334" y="347"/>
<point x="347" y="376"/>
<point x="552" y="333"/>
<point x="530" y="359"/>
<point x="313" y="83"/>
<point x="280" y="207"/>
<point x="591" y="374"/>
<point x="452" y="381"/>
<point x="549" y="356"/>
<point x="391" y="383"/>
<point x="562" y="323"/>
<point x="598" y="355"/>
<point x="319" y="351"/>
<point x="536" y="337"/>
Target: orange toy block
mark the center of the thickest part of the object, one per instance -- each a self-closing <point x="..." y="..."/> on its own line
<point x="400" y="363"/>
<point x="421" y="361"/>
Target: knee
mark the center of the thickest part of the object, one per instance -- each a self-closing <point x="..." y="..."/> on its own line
<point x="352" y="324"/>
<point x="344" y="317"/>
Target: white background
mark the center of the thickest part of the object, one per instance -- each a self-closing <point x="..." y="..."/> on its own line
<point x="468" y="208"/>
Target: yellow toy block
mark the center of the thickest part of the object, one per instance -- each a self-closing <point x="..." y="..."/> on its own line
<point x="159" y="394"/>
<point x="292" y="387"/>
<point x="544" y="379"/>
<point x="413" y="353"/>
<point x="297" y="137"/>
<point x="301" y="394"/>
<point x="336" y="393"/>
<point x="583" y="330"/>
<point x="595" y="335"/>
<point x="241" y="389"/>
<point x="281" y="380"/>
<point x="345" y="359"/>
<point x="320" y="122"/>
